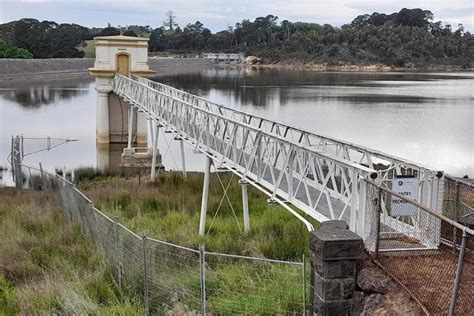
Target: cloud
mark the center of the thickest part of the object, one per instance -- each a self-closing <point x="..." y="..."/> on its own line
<point x="218" y="14"/>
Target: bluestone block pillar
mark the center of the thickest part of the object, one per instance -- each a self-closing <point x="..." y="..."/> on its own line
<point x="335" y="251"/>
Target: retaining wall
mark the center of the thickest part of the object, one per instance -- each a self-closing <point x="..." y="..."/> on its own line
<point x="59" y="68"/>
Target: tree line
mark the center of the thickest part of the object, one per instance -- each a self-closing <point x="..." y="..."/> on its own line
<point x="410" y="36"/>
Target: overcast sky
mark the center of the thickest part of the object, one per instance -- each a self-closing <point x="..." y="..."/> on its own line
<point x="219" y="14"/>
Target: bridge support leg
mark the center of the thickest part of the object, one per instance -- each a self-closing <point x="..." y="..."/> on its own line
<point x="142" y="137"/>
<point x="183" y="159"/>
<point x="205" y="196"/>
<point x="156" y="131"/>
<point x="131" y="110"/>
<point x="245" y="204"/>
<point x="150" y="132"/>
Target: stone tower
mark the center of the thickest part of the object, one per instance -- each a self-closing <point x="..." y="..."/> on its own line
<point x="127" y="56"/>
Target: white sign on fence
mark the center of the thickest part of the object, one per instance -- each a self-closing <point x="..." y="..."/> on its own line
<point x="408" y="187"/>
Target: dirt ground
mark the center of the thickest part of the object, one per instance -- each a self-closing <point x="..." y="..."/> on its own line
<point x="430" y="277"/>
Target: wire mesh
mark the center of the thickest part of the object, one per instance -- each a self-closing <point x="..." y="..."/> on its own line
<point x="129" y="260"/>
<point x="35" y="178"/>
<point x="252" y="286"/>
<point x="458" y="205"/>
<point x="181" y="280"/>
<point x="174" y="278"/>
<point x="419" y="250"/>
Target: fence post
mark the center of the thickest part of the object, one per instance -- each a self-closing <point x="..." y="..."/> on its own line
<point x="202" y="277"/>
<point x="377" y="222"/>
<point x="43" y="178"/>
<point x="457" y="280"/>
<point x="117" y="254"/>
<point x="16" y="159"/>
<point x="456" y="214"/>
<point x="457" y="204"/>
<point x="304" y="284"/>
<point x="145" y="274"/>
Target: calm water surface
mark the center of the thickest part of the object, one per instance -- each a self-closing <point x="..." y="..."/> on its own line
<point x="424" y="117"/>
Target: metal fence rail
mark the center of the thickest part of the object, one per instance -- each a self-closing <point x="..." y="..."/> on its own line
<point x="458" y="202"/>
<point x="174" y="279"/>
<point x="422" y="253"/>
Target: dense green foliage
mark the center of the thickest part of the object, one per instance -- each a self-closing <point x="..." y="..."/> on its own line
<point x="45" y="39"/>
<point x="6" y="51"/>
<point x="48" y="267"/>
<point x="409" y="36"/>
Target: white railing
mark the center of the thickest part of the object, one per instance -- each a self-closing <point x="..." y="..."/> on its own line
<point x="320" y="175"/>
<point x="322" y="185"/>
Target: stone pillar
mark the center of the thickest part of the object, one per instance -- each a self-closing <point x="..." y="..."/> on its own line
<point x="102" y="119"/>
<point x="335" y="251"/>
<point x="142" y="130"/>
<point x="103" y="156"/>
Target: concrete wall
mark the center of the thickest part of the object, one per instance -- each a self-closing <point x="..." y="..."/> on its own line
<point x="35" y="69"/>
<point x="118" y="119"/>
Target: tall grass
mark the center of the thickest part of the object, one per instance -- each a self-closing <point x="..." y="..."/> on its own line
<point x="169" y="209"/>
<point x="47" y="266"/>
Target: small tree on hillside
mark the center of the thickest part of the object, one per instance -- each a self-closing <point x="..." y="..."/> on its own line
<point x="170" y="21"/>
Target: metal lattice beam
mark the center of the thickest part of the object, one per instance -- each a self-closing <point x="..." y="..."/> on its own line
<point x="319" y="175"/>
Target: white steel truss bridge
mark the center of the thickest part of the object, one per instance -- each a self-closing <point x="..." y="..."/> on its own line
<point x="321" y="176"/>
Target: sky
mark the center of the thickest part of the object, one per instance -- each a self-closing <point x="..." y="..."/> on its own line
<point x="220" y="14"/>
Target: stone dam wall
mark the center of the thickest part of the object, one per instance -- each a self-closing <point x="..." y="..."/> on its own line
<point x="16" y="70"/>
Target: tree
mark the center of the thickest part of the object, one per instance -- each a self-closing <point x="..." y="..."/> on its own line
<point x="130" y="33"/>
<point x="170" y="21"/>
<point x="109" y="31"/>
<point x="6" y="51"/>
<point x="156" y="37"/>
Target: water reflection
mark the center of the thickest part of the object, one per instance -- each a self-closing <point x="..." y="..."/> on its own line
<point x="263" y="87"/>
<point x="38" y="94"/>
<point x="425" y="117"/>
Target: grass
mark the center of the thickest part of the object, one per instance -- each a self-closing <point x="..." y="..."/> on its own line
<point x="89" y="49"/>
<point x="169" y="209"/>
<point x="48" y="267"/>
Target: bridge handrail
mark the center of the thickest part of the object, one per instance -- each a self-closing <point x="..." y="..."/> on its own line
<point x="323" y="182"/>
<point x="394" y="160"/>
<point x="324" y="155"/>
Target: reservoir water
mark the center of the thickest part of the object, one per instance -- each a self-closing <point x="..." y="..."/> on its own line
<point x="424" y="117"/>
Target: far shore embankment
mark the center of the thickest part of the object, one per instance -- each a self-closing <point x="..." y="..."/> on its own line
<point x="23" y="70"/>
<point x="348" y="67"/>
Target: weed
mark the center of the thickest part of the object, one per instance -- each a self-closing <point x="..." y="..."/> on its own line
<point x="47" y="266"/>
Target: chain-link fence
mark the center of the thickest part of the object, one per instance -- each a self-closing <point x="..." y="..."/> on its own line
<point x="423" y="250"/>
<point x="458" y="205"/>
<point x="176" y="280"/>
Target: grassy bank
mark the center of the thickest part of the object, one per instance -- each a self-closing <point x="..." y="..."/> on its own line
<point x="169" y="209"/>
<point x="47" y="266"/>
